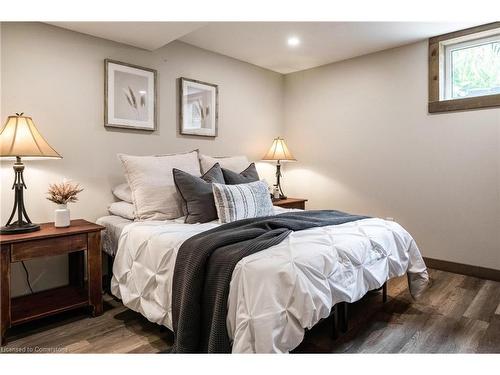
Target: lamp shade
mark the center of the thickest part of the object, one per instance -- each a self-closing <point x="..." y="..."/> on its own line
<point x="20" y="137"/>
<point x="278" y="151"/>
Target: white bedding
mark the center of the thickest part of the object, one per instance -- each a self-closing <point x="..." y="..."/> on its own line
<point x="276" y="293"/>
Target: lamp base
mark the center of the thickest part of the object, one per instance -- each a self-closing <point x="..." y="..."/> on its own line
<point x="15" y="228"/>
<point x="20" y="225"/>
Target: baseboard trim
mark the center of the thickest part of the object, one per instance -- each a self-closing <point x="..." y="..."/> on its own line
<point x="463" y="269"/>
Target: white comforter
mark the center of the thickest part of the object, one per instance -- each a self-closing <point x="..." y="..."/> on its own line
<point x="276" y="293"/>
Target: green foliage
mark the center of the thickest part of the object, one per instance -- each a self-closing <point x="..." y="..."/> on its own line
<point x="476" y="70"/>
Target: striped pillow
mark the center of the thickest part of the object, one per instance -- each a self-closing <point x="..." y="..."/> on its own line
<point x="236" y="202"/>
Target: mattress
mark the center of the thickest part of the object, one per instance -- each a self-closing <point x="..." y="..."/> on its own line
<point x="109" y="237"/>
<point x="277" y="293"/>
<point x="114" y="226"/>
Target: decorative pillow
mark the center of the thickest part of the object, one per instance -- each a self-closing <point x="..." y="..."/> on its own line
<point x="123" y="192"/>
<point x="123" y="209"/>
<point x="233" y="163"/>
<point x="153" y="190"/>
<point x="197" y="194"/>
<point x="248" y="175"/>
<point x="236" y="202"/>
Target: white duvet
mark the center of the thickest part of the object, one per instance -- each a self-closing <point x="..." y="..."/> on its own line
<point x="277" y="293"/>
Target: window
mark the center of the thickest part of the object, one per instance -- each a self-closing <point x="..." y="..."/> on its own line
<point x="472" y="68"/>
<point x="464" y="69"/>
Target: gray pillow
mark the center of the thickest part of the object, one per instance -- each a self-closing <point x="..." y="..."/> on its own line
<point x="196" y="192"/>
<point x="248" y="175"/>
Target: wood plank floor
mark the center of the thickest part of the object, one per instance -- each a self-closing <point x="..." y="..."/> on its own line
<point x="458" y="314"/>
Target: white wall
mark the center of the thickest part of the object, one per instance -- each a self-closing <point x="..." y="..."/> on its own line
<point x="366" y="144"/>
<point x="57" y="77"/>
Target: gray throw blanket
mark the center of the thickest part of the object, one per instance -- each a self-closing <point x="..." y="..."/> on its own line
<point x="204" y="267"/>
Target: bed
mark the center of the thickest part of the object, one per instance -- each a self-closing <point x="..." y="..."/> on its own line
<point x="275" y="294"/>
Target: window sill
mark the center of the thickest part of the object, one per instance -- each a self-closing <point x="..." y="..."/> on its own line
<point x="465" y="104"/>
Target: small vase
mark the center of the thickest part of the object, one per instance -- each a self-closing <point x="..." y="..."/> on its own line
<point x="62" y="219"/>
<point x="276" y="193"/>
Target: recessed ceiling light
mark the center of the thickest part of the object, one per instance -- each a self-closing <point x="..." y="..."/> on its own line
<point x="293" y="41"/>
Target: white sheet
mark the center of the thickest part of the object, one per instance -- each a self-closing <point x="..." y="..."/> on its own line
<point x="277" y="293"/>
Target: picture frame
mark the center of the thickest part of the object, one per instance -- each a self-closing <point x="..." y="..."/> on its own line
<point x="198" y="108"/>
<point x="130" y="96"/>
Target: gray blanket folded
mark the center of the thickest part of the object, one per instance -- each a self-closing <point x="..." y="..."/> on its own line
<point x="204" y="267"/>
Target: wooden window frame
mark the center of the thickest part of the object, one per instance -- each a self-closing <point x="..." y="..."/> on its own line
<point x="436" y="75"/>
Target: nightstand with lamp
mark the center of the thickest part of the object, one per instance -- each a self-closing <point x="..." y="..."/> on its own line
<point x="22" y="240"/>
<point x="279" y="152"/>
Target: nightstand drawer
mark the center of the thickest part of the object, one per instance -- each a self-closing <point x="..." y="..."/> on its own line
<point x="48" y="247"/>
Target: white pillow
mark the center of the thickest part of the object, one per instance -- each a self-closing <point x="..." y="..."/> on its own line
<point x="242" y="201"/>
<point x="123" y="192"/>
<point x="233" y="163"/>
<point x="123" y="209"/>
<point x="152" y="184"/>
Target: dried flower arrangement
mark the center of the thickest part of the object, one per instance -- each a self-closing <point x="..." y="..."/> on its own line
<point x="63" y="193"/>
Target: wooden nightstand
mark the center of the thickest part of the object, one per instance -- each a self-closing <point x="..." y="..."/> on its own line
<point x="291" y="203"/>
<point x="50" y="241"/>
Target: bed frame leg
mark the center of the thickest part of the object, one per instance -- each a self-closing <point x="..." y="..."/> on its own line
<point x="109" y="275"/>
<point x="343" y="316"/>
<point x="340" y="312"/>
<point x="335" y="322"/>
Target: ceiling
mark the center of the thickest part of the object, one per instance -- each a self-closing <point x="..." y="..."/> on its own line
<point x="146" y="35"/>
<point x="265" y="43"/>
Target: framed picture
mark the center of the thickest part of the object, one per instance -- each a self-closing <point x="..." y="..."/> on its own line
<point x="129" y="96"/>
<point x="198" y="108"/>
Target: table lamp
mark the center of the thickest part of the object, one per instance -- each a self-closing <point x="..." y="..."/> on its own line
<point x="20" y="138"/>
<point x="279" y="152"/>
